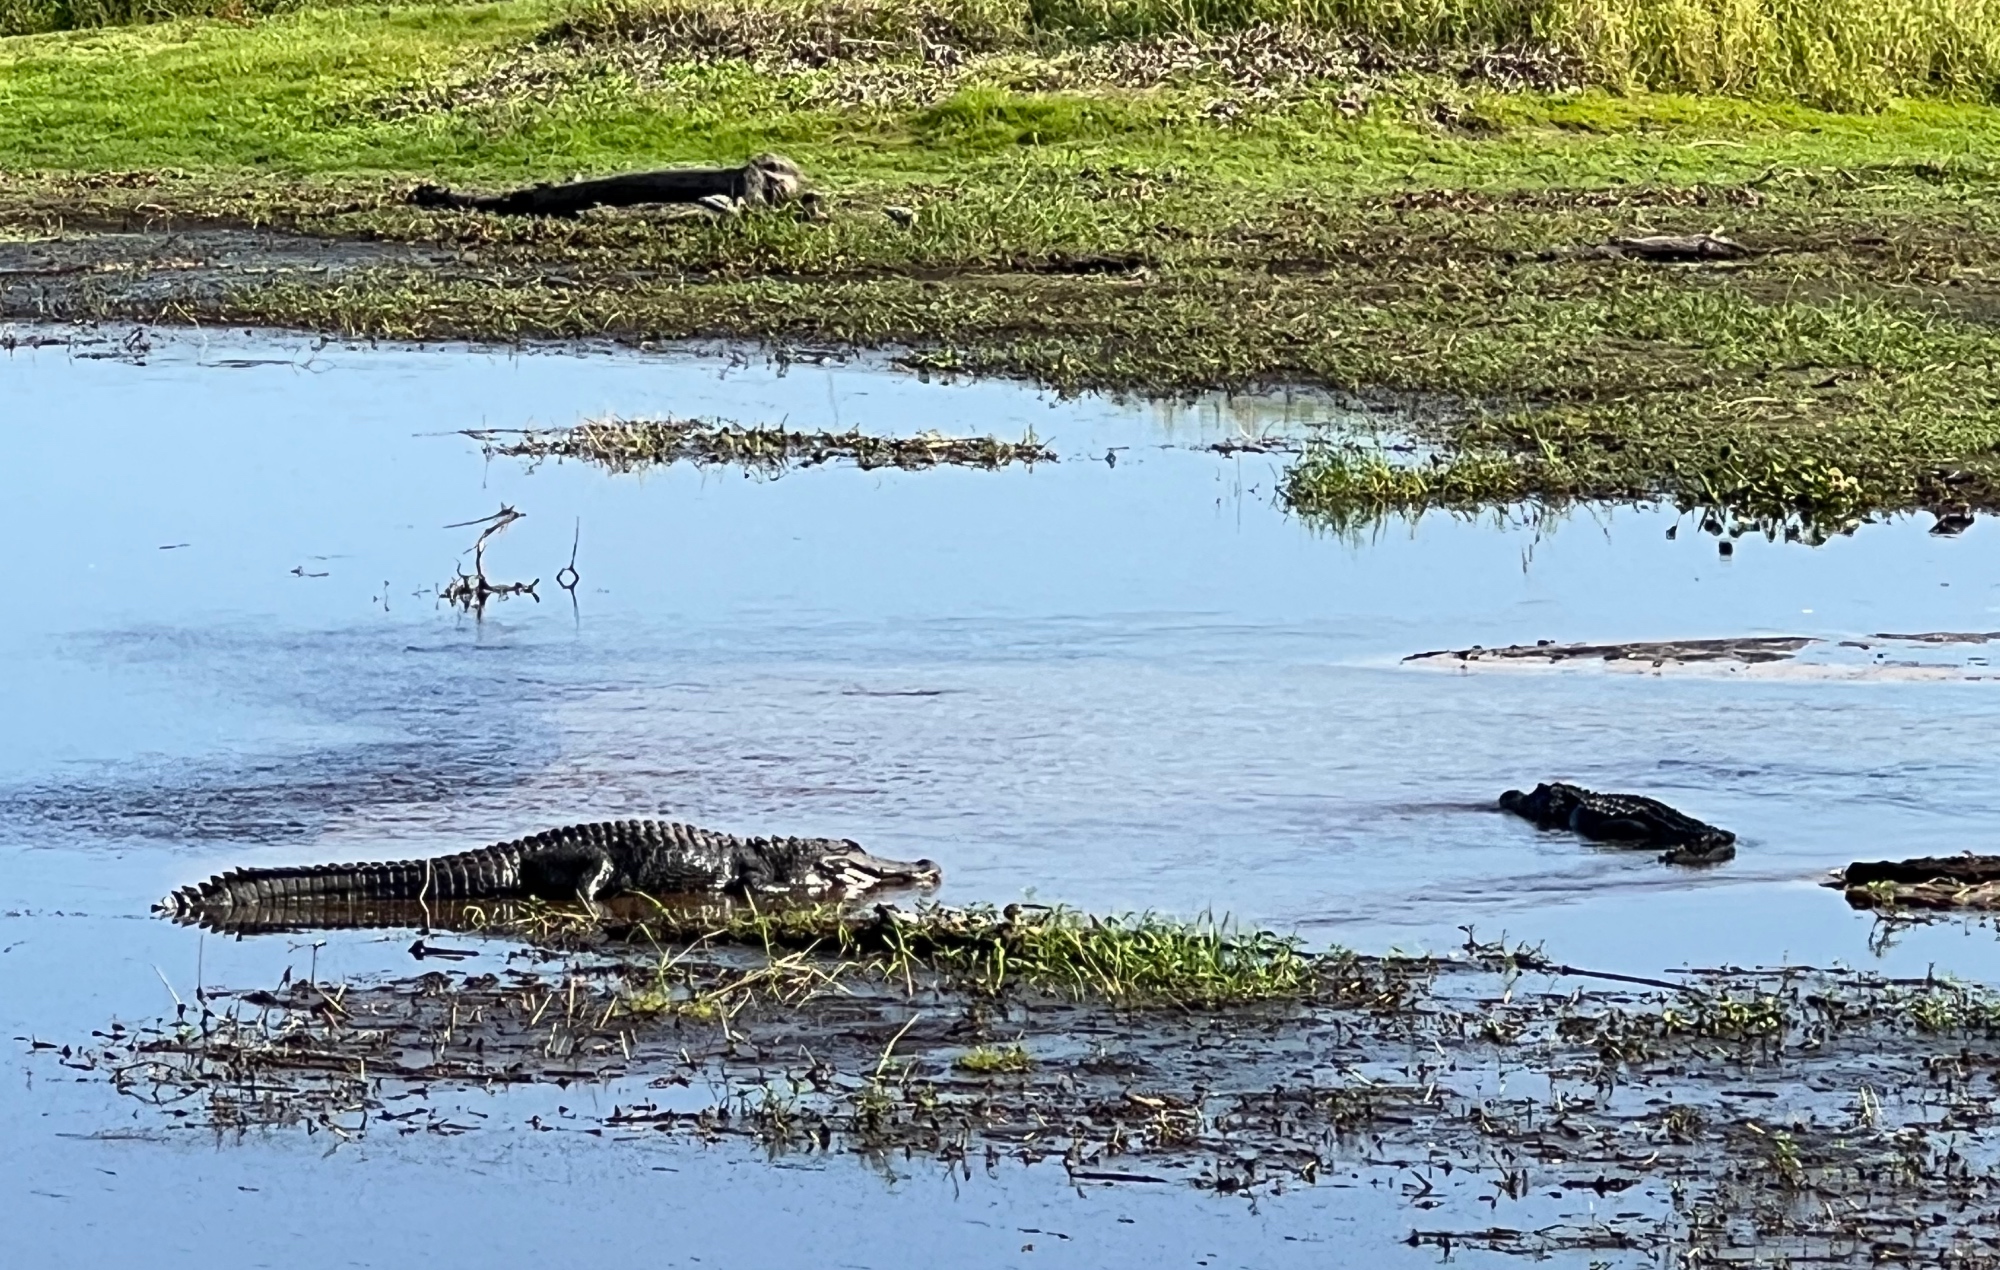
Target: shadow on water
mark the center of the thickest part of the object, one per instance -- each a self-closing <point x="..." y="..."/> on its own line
<point x="1126" y="684"/>
<point x="414" y="748"/>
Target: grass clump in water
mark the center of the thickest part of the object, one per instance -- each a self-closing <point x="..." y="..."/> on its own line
<point x="1137" y="960"/>
<point x="625" y="445"/>
<point x="1343" y="487"/>
<point x="994" y="1060"/>
<point x="1142" y="959"/>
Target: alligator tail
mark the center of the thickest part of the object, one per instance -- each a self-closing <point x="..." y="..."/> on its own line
<point x="466" y="875"/>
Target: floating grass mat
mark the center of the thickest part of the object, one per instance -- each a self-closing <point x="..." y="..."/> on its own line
<point x="1734" y="1115"/>
<point x="625" y="445"/>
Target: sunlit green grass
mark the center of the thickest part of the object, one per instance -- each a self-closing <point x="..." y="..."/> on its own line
<point x="300" y="91"/>
<point x="1444" y="238"/>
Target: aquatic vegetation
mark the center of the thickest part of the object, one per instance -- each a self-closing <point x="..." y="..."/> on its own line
<point x="1134" y="960"/>
<point x="1137" y="959"/>
<point x="1344" y="488"/>
<point x="993" y="1060"/>
<point x="628" y="444"/>
<point x="1788" y="480"/>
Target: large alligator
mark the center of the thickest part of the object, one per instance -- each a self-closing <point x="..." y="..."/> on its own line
<point x="579" y="862"/>
<point x="1626" y="819"/>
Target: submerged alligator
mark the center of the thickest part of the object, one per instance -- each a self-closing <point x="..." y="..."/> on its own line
<point x="578" y="862"/>
<point x="1628" y="819"/>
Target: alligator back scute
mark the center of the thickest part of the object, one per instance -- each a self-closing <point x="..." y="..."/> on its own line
<point x="584" y="861"/>
<point x="1621" y="818"/>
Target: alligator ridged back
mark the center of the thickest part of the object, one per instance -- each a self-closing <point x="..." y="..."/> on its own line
<point x="587" y="861"/>
<point x="672" y="855"/>
<point x="1555" y="805"/>
<point x="492" y="871"/>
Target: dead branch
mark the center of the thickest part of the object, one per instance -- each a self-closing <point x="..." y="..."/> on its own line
<point x="470" y="591"/>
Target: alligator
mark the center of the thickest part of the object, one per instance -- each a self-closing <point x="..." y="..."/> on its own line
<point x="578" y="862"/>
<point x="1622" y="818"/>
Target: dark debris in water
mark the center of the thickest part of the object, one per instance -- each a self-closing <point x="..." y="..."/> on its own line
<point x="1798" y="1114"/>
<point x="1932" y="883"/>
<point x="1749" y="650"/>
<point x="625" y="445"/>
<point x="1928" y="655"/>
<point x="471" y="592"/>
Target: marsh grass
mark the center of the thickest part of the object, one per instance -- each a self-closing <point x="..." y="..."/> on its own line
<point x="1840" y="53"/>
<point x="30" y="17"/>
<point x="1844" y="53"/>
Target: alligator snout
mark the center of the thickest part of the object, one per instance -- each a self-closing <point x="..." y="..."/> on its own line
<point x="858" y="870"/>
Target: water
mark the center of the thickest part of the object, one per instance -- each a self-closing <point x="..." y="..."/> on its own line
<point x="1129" y="686"/>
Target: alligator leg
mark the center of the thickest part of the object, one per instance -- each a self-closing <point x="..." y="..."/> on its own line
<point x="1699" y="853"/>
<point x="584" y="870"/>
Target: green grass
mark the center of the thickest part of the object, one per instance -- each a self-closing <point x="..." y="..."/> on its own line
<point x="1135" y="959"/>
<point x="994" y="1060"/>
<point x="1836" y="52"/>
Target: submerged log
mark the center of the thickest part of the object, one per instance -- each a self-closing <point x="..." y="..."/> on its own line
<point x="1954" y="881"/>
<point x="768" y="180"/>
<point x="1966" y="870"/>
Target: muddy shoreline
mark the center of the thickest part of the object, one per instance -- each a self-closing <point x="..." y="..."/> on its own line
<point x="1820" y="1114"/>
<point x="178" y="275"/>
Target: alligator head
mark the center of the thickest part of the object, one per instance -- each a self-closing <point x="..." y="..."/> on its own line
<point x="842" y="865"/>
<point x="1548" y="805"/>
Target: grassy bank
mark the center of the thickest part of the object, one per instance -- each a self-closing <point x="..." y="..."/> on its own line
<point x="1362" y="195"/>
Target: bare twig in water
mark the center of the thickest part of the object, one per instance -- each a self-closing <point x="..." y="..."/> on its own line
<point x="567" y="577"/>
<point x="471" y="591"/>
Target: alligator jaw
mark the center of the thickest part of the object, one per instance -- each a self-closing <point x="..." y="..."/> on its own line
<point x="853" y="870"/>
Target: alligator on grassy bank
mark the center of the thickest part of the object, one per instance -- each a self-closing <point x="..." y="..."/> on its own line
<point x="768" y="180"/>
<point x="587" y="862"/>
<point x="1625" y="819"/>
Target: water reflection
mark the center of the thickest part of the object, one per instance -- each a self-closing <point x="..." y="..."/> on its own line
<point x="1122" y="686"/>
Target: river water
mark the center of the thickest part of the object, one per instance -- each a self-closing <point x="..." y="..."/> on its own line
<point x="1124" y="685"/>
